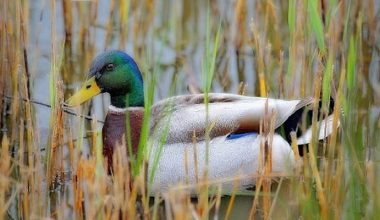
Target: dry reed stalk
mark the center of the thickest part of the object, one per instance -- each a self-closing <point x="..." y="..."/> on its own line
<point x="21" y="128"/>
<point x="150" y="11"/>
<point x="3" y="65"/>
<point x="232" y="179"/>
<point x="371" y="21"/>
<point x="55" y="162"/>
<point x="252" y="213"/>
<point x="180" y="206"/>
<point x="5" y="170"/>
<point x="337" y="187"/>
<point x="232" y="200"/>
<point x="180" y="201"/>
<point x="85" y="201"/>
<point x="31" y="150"/>
<point x="281" y="86"/>
<point x="92" y="181"/>
<point x="292" y="59"/>
<point x="78" y="190"/>
<point x="298" y="69"/>
<point x="203" y="205"/>
<point x="93" y="138"/>
<point x="87" y="18"/>
<point x="336" y="180"/>
<point x="276" y="196"/>
<point x="109" y="25"/>
<point x="294" y="145"/>
<point x="242" y="88"/>
<point x="371" y="181"/>
<point x="156" y="204"/>
<point x="15" y="105"/>
<point x="218" y="199"/>
<point x="240" y="36"/>
<point x="84" y="23"/>
<point x="123" y="18"/>
<point x="144" y="191"/>
<point x="328" y="161"/>
<point x="186" y="162"/>
<point x="24" y="200"/>
<point x="195" y="157"/>
<point x="312" y="157"/>
<point x="332" y="143"/>
<point x="265" y="164"/>
<point x="168" y="208"/>
<point x="144" y="14"/>
<point x="260" y="61"/>
<point x="67" y="20"/>
<point x="268" y="127"/>
<point x="271" y="27"/>
<point x="136" y="29"/>
<point x="132" y="212"/>
<point x="121" y="187"/>
<point x="261" y="169"/>
<point x="67" y="68"/>
<point x="300" y="36"/>
<point x="70" y="146"/>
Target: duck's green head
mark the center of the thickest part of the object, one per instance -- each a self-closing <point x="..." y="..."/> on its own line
<point x="116" y="73"/>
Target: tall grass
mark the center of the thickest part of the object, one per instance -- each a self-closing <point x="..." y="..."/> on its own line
<point x="281" y="49"/>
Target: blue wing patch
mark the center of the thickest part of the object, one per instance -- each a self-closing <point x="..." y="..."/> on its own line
<point x="236" y="136"/>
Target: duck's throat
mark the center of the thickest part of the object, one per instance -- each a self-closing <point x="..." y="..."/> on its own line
<point x="119" y="101"/>
<point x="133" y="99"/>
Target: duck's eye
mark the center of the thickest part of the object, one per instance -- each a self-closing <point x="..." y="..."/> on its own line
<point x="110" y="67"/>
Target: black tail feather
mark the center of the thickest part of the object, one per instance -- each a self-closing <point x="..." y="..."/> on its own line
<point x="293" y="123"/>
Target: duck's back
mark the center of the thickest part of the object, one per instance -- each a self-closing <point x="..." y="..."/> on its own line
<point x="183" y="117"/>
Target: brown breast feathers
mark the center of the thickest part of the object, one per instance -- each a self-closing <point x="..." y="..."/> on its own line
<point x="114" y="130"/>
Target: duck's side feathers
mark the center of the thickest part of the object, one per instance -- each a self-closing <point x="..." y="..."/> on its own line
<point x="228" y="159"/>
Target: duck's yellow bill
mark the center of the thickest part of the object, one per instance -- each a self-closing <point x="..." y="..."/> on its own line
<point x="88" y="90"/>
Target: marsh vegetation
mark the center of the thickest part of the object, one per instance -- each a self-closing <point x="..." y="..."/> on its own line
<point x="51" y="165"/>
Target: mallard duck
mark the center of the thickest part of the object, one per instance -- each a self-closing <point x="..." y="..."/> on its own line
<point x="234" y="126"/>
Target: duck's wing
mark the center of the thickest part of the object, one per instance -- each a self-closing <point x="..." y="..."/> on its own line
<point x="182" y="119"/>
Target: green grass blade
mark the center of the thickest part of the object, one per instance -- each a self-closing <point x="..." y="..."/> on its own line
<point x="351" y="64"/>
<point x="316" y="24"/>
<point x="292" y="16"/>
<point x="327" y="77"/>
